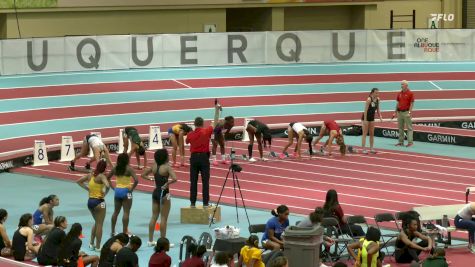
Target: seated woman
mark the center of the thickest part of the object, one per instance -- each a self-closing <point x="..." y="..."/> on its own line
<point x="334" y="133"/>
<point x="196" y="253"/>
<point x="272" y="238"/>
<point x="368" y="250"/>
<point x="43" y="216"/>
<point x="69" y="253"/>
<point x="5" y="243"/>
<point x="110" y="249"/>
<point x="177" y="137"/>
<point x="261" y="132"/>
<point x="160" y="257"/>
<point x="300" y="132"/>
<point x="465" y="220"/>
<point x="279" y="262"/>
<point x="332" y="208"/>
<point x="222" y="259"/>
<point x="315" y="219"/>
<point x="407" y="251"/>
<point x="48" y="255"/>
<point x="251" y="254"/>
<point x="23" y="247"/>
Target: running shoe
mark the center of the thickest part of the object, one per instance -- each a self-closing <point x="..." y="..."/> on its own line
<point x="372" y="151"/>
<point x="252" y="160"/>
<point x="282" y="156"/>
<point x="264" y="159"/>
<point x="399" y="144"/>
<point x="410" y="144"/>
<point x="152" y="244"/>
<point x="273" y="154"/>
<point x="71" y="166"/>
<point x="364" y="151"/>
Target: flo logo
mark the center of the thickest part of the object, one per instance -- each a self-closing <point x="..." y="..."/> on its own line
<point x="443" y="17"/>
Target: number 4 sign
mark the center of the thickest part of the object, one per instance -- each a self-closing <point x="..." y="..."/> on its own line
<point x="155" y="138"/>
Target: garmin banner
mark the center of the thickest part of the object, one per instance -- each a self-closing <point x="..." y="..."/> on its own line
<point x="430" y="137"/>
<point x="467" y="125"/>
<point x="84" y="53"/>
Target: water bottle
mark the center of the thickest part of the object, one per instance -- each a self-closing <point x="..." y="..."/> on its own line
<point x="445" y="221"/>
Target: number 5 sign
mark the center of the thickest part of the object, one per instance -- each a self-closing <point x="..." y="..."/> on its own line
<point x="40" y="155"/>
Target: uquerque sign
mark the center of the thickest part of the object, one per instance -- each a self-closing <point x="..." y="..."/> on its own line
<point x="82" y="53"/>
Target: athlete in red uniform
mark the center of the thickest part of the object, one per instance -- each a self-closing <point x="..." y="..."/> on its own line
<point x="334" y="132"/>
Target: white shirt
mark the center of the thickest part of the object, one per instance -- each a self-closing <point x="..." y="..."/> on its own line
<point x="95" y="141"/>
<point x="217" y="265"/>
<point x="297" y="127"/>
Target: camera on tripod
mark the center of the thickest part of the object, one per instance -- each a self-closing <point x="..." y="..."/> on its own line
<point x="234" y="167"/>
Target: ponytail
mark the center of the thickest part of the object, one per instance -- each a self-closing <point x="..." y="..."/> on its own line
<point x="279" y="210"/>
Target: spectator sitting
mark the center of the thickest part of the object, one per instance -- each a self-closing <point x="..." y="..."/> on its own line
<point x="407" y="251"/>
<point x="314" y="220"/>
<point x="160" y="257"/>
<point x="222" y="259"/>
<point x="437" y="260"/>
<point x="272" y="238"/>
<point x="126" y="256"/>
<point x="5" y="243"/>
<point x="279" y="262"/>
<point x="332" y="208"/>
<point x="197" y="253"/>
<point x="69" y="253"/>
<point x="368" y="249"/>
<point x="48" y="255"/>
<point x="251" y="255"/>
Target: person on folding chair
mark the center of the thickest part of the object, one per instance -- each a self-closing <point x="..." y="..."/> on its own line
<point x="262" y="133"/>
<point x="407" y="251"/>
<point x="332" y="208"/>
<point x="368" y="249"/>
<point x="465" y="220"/>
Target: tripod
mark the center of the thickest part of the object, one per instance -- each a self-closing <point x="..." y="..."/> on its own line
<point x="233" y="169"/>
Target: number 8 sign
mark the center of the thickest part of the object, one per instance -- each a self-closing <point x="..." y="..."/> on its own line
<point x="40" y="154"/>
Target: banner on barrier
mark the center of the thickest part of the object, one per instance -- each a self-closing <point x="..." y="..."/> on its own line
<point x="82" y="53"/>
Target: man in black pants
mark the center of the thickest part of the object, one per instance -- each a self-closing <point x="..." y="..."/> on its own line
<point x="199" y="161"/>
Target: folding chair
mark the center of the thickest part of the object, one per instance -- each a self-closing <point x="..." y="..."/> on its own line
<point x="257" y="228"/>
<point x="356" y="219"/>
<point x="333" y="230"/>
<point x="185" y="242"/>
<point x="206" y="240"/>
<point x="388" y="239"/>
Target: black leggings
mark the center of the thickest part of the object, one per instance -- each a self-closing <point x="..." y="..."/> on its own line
<point x="407" y="254"/>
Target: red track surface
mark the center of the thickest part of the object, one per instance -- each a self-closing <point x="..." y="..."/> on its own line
<point x="109" y="109"/>
<point x="223" y="82"/>
<point x="53" y="139"/>
<point x="388" y="181"/>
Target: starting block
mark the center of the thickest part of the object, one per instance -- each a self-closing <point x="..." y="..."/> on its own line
<point x="200" y="215"/>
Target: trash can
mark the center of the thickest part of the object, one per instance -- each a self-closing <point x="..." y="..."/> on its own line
<point x="302" y="245"/>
